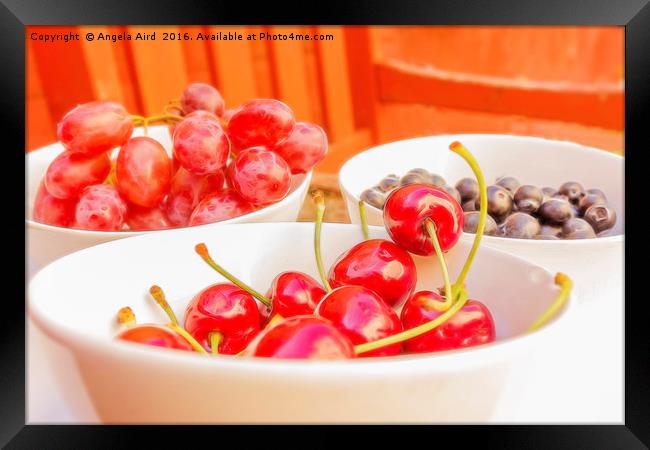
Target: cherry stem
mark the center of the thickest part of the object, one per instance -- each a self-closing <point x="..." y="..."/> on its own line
<point x="126" y="317"/>
<point x="416" y="331"/>
<point x="320" y="212"/>
<point x="460" y="149"/>
<point x="188" y="337"/>
<point x="275" y="319"/>
<point x="202" y="250"/>
<point x="364" y="220"/>
<point x="159" y="296"/>
<point x="566" y="285"/>
<point x="215" y="340"/>
<point x="433" y="235"/>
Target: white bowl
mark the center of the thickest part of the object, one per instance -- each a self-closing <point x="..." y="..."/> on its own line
<point x="46" y="243"/>
<point x="75" y="299"/>
<point x="592" y="263"/>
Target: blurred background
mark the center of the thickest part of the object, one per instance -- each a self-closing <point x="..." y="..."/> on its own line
<point x="365" y="86"/>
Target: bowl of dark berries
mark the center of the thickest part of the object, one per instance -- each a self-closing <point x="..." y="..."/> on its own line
<point x="113" y="174"/>
<point x="301" y="322"/>
<point x="557" y="203"/>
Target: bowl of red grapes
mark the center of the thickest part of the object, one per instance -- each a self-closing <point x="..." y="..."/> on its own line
<point x="410" y="321"/>
<point x="114" y="173"/>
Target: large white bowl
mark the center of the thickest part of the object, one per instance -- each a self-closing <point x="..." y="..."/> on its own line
<point x="46" y="243"/>
<point x="593" y="263"/>
<point x="75" y="299"/>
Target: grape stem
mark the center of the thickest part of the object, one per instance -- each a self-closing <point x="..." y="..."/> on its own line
<point x="320" y="212"/>
<point x="202" y="251"/>
<point x="364" y="219"/>
<point x="566" y="285"/>
<point x="460" y="149"/>
<point x="430" y="226"/>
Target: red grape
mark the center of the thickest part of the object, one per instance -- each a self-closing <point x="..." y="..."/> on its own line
<point x="305" y="147"/>
<point x="139" y="218"/>
<point x="143" y="171"/>
<point x="260" y="176"/>
<point x="100" y="208"/>
<point x="201" y="145"/>
<point x="71" y="172"/>
<point x="260" y="122"/>
<point x="202" y="97"/>
<point x="220" y="206"/>
<point x="51" y="210"/>
<point x="94" y="128"/>
<point x="186" y="191"/>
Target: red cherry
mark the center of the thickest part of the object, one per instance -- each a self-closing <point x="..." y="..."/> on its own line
<point x="186" y="191"/>
<point x="263" y="122"/>
<point x="100" y="208"/>
<point x="378" y="265"/>
<point x="71" y="172"/>
<point x="294" y="294"/>
<point x="139" y="218"/>
<point x="406" y="210"/>
<point x="218" y="206"/>
<point x="94" y="128"/>
<point x="156" y="335"/>
<point x="225" y="309"/>
<point x="362" y="316"/>
<point x="472" y="325"/>
<point x="260" y="176"/>
<point x="305" y="147"/>
<point x="53" y="211"/>
<point x="143" y="171"/>
<point x="202" y="97"/>
<point x="303" y="337"/>
<point x="201" y="145"/>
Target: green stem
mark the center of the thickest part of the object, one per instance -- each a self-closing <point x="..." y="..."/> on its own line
<point x="416" y="331"/>
<point x="433" y="235"/>
<point x="126" y="317"/>
<point x="215" y="341"/>
<point x="320" y="213"/>
<point x="188" y="337"/>
<point x="159" y="296"/>
<point x="202" y="251"/>
<point x="460" y="149"/>
<point x="364" y="219"/>
<point x="566" y="285"/>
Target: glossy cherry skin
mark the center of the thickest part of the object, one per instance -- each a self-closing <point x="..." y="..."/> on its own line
<point x="408" y="207"/>
<point x="143" y="171"/>
<point x="53" y="211"/>
<point x="94" y="128"/>
<point x="472" y="325"/>
<point x="202" y="97"/>
<point x="362" y="316"/>
<point x="260" y="122"/>
<point x="260" y="176"/>
<point x="186" y="191"/>
<point x="227" y="309"/>
<point x="100" y="208"/>
<point x="305" y="147"/>
<point x="201" y="145"/>
<point x="155" y="335"/>
<point x="294" y="294"/>
<point x="303" y="337"/>
<point x="71" y="172"/>
<point x="378" y="265"/>
<point x="218" y="206"/>
<point x="139" y="218"/>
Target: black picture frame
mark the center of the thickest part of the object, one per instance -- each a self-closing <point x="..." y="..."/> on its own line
<point x="634" y="15"/>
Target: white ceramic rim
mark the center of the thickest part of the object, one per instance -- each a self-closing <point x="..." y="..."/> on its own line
<point x="450" y="360"/>
<point x="494" y="239"/>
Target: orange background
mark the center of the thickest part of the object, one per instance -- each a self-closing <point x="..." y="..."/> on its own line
<point x="367" y="86"/>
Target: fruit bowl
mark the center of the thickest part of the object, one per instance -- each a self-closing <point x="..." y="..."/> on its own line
<point x="47" y="243"/>
<point x="134" y="383"/>
<point x="592" y="263"/>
